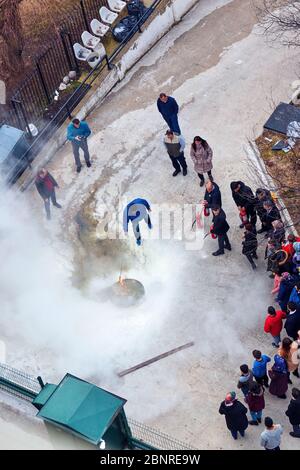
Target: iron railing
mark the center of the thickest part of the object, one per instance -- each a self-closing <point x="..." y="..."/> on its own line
<point x="65" y="111"/>
<point x="18" y="383"/>
<point x="27" y="387"/>
<point x="156" y="439"/>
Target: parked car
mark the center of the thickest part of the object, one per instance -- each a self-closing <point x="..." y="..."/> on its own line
<point x="14" y="155"/>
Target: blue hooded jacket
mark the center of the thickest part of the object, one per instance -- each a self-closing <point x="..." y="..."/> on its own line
<point x="127" y="217"/>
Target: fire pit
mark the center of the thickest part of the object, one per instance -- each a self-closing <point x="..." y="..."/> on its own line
<point x="127" y="292"/>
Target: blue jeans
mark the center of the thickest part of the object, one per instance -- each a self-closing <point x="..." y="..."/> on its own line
<point x="235" y="434"/>
<point x="277" y="339"/>
<point x="256" y="415"/>
<point x="173" y="124"/>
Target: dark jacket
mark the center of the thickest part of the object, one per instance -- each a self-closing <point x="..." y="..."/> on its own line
<point x="285" y="289"/>
<point x="278" y="236"/>
<point x="235" y="415"/>
<point x="274" y="214"/>
<point x="42" y="188"/>
<point x="169" y="108"/>
<point x="220" y="225"/>
<point x="292" y="324"/>
<point x="249" y="243"/>
<point x="214" y="197"/>
<point x="279" y="383"/>
<point x="244" y="197"/>
<point x="259" y="204"/>
<point x="293" y="411"/>
<point x="256" y="402"/>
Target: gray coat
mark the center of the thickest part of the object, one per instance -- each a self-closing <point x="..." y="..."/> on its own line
<point x="202" y="158"/>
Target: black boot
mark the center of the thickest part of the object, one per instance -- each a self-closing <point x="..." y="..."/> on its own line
<point x="176" y="172"/>
<point x="218" y="253"/>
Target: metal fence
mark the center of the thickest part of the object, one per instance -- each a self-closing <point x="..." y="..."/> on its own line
<point x="18" y="383"/>
<point x="156" y="439"/>
<point x="27" y="387"/>
<point x="24" y="114"/>
<point x="31" y="100"/>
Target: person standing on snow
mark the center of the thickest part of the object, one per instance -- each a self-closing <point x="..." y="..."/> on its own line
<point x="201" y="155"/>
<point x="46" y="184"/>
<point x="136" y="211"/>
<point x="244" y="199"/>
<point x="175" y="147"/>
<point x="220" y="228"/>
<point x="77" y="134"/>
<point x="168" y="108"/>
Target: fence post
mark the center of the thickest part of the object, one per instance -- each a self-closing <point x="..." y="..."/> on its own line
<point x="16" y="113"/>
<point x="66" y="33"/>
<point x="84" y="15"/>
<point x="62" y="36"/>
<point x="23" y="113"/>
<point x="43" y="81"/>
<point x="109" y="66"/>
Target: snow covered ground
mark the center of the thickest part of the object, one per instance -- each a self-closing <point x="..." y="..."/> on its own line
<point x="221" y="71"/>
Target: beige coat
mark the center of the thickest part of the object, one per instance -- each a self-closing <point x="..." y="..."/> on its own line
<point x="202" y="158"/>
<point x="292" y="359"/>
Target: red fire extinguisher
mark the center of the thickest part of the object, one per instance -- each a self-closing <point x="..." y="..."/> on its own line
<point x="243" y="216"/>
<point x="206" y="211"/>
<point x="213" y="235"/>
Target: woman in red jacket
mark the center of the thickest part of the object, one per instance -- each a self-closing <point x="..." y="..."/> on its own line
<point x="273" y="324"/>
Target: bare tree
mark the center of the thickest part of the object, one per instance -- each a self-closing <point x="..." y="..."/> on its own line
<point x="11" y="39"/>
<point x="280" y="20"/>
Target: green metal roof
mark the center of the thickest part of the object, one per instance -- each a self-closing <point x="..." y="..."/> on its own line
<point x="82" y="407"/>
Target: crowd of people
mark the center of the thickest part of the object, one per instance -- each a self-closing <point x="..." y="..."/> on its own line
<point x="282" y="255"/>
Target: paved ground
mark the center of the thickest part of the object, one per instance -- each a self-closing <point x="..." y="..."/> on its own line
<point x="223" y="74"/>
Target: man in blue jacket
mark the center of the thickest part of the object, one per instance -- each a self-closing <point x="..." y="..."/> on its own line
<point x="77" y="134"/>
<point x="168" y="108"/>
<point x="134" y="212"/>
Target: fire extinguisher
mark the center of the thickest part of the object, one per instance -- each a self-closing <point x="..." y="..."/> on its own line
<point x="206" y="211"/>
<point x="213" y="235"/>
<point x="243" y="216"/>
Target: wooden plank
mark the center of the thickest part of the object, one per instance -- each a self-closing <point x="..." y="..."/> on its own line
<point x="155" y="359"/>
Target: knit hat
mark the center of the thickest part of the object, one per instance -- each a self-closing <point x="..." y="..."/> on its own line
<point x="230" y="397"/>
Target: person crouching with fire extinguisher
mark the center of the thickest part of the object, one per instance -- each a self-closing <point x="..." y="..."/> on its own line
<point x="220" y="228"/>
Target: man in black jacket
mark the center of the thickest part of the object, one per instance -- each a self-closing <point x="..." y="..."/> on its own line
<point x="293" y="412"/>
<point x="46" y="184"/>
<point x="235" y="415"/>
<point x="250" y="245"/>
<point x="261" y="196"/>
<point x="244" y="198"/>
<point x="220" y="228"/>
<point x="271" y="214"/>
<point x="212" y="196"/>
<point x="292" y="323"/>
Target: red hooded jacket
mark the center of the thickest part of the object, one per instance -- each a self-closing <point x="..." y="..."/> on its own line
<point x="273" y="325"/>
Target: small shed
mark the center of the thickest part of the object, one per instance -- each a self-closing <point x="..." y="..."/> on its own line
<point x="85" y="410"/>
